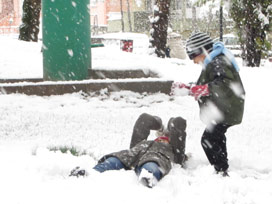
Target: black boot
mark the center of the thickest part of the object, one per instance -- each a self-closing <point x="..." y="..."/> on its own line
<point x="223" y="173"/>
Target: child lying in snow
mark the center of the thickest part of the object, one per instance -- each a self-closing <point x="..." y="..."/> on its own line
<point x="151" y="159"/>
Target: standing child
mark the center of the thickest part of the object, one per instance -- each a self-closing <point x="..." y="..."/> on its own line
<point x="220" y="94"/>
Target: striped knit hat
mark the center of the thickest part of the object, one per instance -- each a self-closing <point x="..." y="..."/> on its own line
<point x="197" y="43"/>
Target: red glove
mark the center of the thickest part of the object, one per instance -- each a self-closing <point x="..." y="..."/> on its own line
<point x="199" y="91"/>
<point x="179" y="88"/>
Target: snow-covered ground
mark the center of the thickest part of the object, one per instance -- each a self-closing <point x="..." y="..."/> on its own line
<point x="99" y="124"/>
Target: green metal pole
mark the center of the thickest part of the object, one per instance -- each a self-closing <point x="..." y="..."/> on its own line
<point x="66" y="39"/>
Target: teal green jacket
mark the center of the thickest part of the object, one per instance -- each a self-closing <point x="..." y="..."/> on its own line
<point x="225" y="103"/>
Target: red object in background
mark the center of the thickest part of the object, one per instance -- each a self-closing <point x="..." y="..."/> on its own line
<point x="127" y="45"/>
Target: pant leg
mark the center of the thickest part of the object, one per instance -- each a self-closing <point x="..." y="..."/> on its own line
<point x="213" y="142"/>
<point x="177" y="133"/>
<point x="111" y="163"/>
<point x="151" y="167"/>
<point x="142" y="128"/>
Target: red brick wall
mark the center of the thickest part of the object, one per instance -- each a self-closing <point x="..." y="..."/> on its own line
<point x="114" y="5"/>
<point x="9" y="16"/>
<point x="7" y="12"/>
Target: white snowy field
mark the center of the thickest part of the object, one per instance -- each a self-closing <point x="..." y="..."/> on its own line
<point x="100" y="124"/>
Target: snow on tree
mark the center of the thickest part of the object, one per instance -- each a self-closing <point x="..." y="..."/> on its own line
<point x="252" y="18"/>
<point x="29" y="28"/>
<point x="159" y="24"/>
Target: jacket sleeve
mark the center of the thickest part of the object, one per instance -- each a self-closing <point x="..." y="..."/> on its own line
<point x="142" y="128"/>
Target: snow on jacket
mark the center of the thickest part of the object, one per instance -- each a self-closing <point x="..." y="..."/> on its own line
<point x="143" y="150"/>
<point x="225" y="103"/>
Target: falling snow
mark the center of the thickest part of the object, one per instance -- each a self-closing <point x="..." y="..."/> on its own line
<point x="102" y="122"/>
<point x="70" y="52"/>
<point x="74" y="4"/>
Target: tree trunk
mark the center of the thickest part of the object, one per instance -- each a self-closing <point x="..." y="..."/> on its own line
<point x="194" y="19"/>
<point x="160" y="26"/>
<point x="252" y="29"/>
<point x="29" y="29"/>
<point x="253" y="35"/>
<point x="122" y="16"/>
<point x="129" y="16"/>
<point x="249" y="55"/>
<point x="221" y="23"/>
<point x="253" y="59"/>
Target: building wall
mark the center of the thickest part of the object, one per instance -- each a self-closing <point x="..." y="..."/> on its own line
<point x="98" y="13"/>
<point x="105" y="14"/>
<point x="114" y="5"/>
<point x="10" y="16"/>
<point x="114" y="14"/>
<point x="7" y="8"/>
